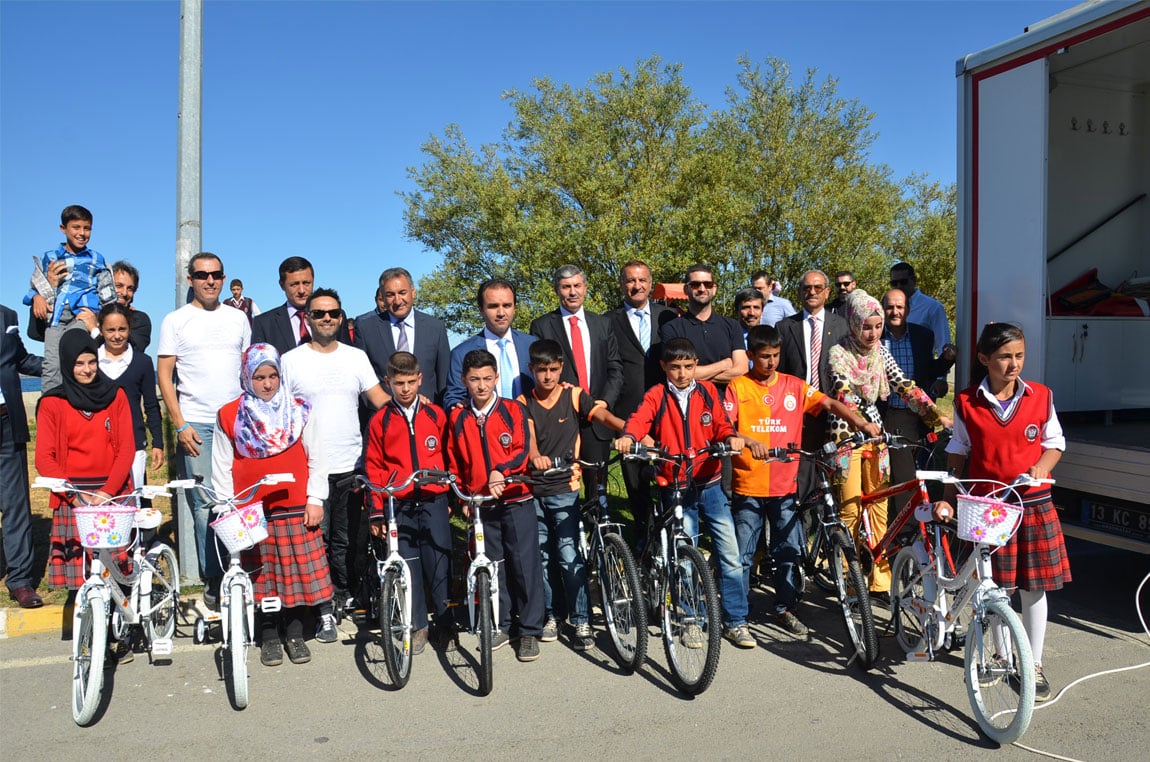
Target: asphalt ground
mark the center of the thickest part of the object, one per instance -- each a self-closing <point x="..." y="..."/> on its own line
<point x="785" y="699"/>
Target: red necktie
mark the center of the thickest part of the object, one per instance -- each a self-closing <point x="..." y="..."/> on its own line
<point x="304" y="336"/>
<point x="580" y="358"/>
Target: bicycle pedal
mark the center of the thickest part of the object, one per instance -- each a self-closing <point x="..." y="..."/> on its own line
<point x="162" y="647"/>
<point x="918" y="656"/>
<point x="270" y="605"/>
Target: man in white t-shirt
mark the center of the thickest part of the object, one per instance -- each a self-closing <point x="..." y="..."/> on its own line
<point x="201" y="342"/>
<point x="332" y="376"/>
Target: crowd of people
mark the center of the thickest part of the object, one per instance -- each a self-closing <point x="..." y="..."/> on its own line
<point x="293" y="389"/>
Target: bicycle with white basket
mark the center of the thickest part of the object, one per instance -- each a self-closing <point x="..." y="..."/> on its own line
<point x="239" y="527"/>
<point x="391" y="602"/>
<point x="926" y="603"/>
<point x="145" y="598"/>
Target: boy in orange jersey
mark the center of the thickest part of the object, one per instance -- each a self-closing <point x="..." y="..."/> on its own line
<point x="767" y="409"/>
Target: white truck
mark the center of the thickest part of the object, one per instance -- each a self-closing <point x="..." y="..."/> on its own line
<point x="1054" y="235"/>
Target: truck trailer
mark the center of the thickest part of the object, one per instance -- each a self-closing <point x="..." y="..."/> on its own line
<point x="1054" y="236"/>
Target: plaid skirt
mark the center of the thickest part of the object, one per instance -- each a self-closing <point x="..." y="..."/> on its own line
<point x="291" y="563"/>
<point x="67" y="559"/>
<point x="1035" y="558"/>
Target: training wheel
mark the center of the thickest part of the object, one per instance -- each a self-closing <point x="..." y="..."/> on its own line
<point x="200" y="632"/>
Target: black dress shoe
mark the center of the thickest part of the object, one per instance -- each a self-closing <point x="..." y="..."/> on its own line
<point x="27" y="598"/>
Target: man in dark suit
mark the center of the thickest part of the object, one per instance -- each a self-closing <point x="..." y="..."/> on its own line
<point x="398" y="325"/>
<point x="285" y="327"/>
<point x="496" y="302"/>
<point x="590" y="359"/>
<point x="814" y="325"/>
<point x="636" y="325"/>
<point x="911" y="346"/>
<point x="14" y="503"/>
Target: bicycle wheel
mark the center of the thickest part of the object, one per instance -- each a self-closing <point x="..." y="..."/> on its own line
<point x="165" y="597"/>
<point x="395" y="628"/>
<point x="818" y="558"/>
<point x="851" y="588"/>
<point x="999" y="672"/>
<point x="485" y="628"/>
<point x="238" y="644"/>
<point x="907" y="599"/>
<point x="692" y="630"/>
<point x="89" y="641"/>
<point x="622" y="601"/>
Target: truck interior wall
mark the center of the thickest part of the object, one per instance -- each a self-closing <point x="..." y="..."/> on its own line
<point x="1094" y="170"/>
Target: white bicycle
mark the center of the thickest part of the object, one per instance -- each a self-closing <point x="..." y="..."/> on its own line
<point x="929" y="594"/>
<point x="144" y="599"/>
<point x="238" y="528"/>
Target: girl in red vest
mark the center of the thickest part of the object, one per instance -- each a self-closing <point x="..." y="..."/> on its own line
<point x="1004" y="427"/>
<point x="266" y="431"/>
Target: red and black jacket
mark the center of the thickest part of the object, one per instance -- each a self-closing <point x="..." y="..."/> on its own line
<point x="705" y="423"/>
<point x="397" y="447"/>
<point x="498" y="442"/>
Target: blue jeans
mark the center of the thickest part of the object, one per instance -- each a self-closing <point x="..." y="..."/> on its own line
<point x="558" y="517"/>
<point x="716" y="512"/>
<point x="786" y="542"/>
<point x="207" y="548"/>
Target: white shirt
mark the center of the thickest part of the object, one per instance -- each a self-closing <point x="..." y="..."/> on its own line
<point x="486" y="411"/>
<point x="819" y="323"/>
<point x="332" y="383"/>
<point x="207" y="345"/>
<point x="1052" y="435"/>
<point x="682" y="396"/>
<point x="114" y="367"/>
<point x="584" y="331"/>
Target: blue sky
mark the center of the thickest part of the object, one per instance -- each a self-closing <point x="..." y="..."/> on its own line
<point x="313" y="111"/>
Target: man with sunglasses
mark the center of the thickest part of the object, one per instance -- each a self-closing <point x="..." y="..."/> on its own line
<point x="201" y="342"/>
<point x="921" y="309"/>
<point x="331" y="376"/>
<point x="718" y="339"/>
<point x="845" y="283"/>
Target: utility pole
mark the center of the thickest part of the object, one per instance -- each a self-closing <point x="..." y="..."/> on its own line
<point x="188" y="229"/>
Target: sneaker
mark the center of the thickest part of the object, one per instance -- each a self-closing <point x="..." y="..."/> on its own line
<point x="789" y="622"/>
<point x="692" y="636"/>
<point x="498" y="640"/>
<point x="297" y="651"/>
<point x="212" y="596"/>
<point x="325" y="631"/>
<point x="1041" y="685"/>
<point x="550" y="631"/>
<point x="419" y="641"/>
<point x="740" y="636"/>
<point x="584" y="639"/>
<point x="271" y="653"/>
<point x="528" y="648"/>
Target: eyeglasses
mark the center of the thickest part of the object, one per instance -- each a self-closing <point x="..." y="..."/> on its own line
<point x="319" y="314"/>
<point x="205" y="274"/>
<point x="899" y="282"/>
<point x="844" y="284"/>
<point x="701" y="284"/>
<point x="817" y="288"/>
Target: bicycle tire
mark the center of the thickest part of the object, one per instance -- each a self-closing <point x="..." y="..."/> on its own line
<point x="485" y="629"/>
<point x="238" y="644"/>
<point x="858" y="617"/>
<point x="1003" y="710"/>
<point x="691" y="600"/>
<point x="395" y="628"/>
<point x="907" y="597"/>
<point x="89" y="642"/>
<point x="621" y="597"/>
<point x="165" y="596"/>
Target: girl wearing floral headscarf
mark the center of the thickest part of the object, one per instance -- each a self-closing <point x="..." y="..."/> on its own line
<point x="864" y="372"/>
<point x="267" y="431"/>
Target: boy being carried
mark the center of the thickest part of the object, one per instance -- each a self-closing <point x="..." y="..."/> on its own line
<point x="555" y="412"/>
<point x="685" y="416"/>
<point x="489" y="442"/>
<point x="405" y="435"/>
<point x="768" y="408"/>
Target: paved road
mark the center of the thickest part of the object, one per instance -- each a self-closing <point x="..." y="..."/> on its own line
<point x="787" y="699"/>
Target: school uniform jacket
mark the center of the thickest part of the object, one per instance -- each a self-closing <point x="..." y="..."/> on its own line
<point x="705" y="423"/>
<point x="397" y="447"/>
<point x="499" y="442"/>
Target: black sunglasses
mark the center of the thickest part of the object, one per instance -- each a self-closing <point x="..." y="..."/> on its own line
<point x="899" y="282"/>
<point x="205" y="274"/>
<point x="701" y="284"/>
<point x="319" y="314"/>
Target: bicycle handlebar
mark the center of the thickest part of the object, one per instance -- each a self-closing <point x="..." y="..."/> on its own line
<point x="656" y="453"/>
<point x="420" y="477"/>
<point x="480" y="499"/>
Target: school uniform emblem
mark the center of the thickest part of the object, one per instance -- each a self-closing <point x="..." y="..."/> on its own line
<point x="431" y="443"/>
<point x="505" y="439"/>
<point x="790" y="403"/>
<point x="1031" y="432"/>
<point x="706" y="419"/>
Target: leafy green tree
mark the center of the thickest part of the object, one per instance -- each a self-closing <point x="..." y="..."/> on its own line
<point x="924" y="235"/>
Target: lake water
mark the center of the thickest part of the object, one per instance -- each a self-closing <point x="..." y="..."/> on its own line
<point x="29" y="384"/>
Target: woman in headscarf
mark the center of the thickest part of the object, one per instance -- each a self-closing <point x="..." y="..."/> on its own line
<point x="864" y="372"/>
<point x="268" y="431"/>
<point x="83" y="434"/>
